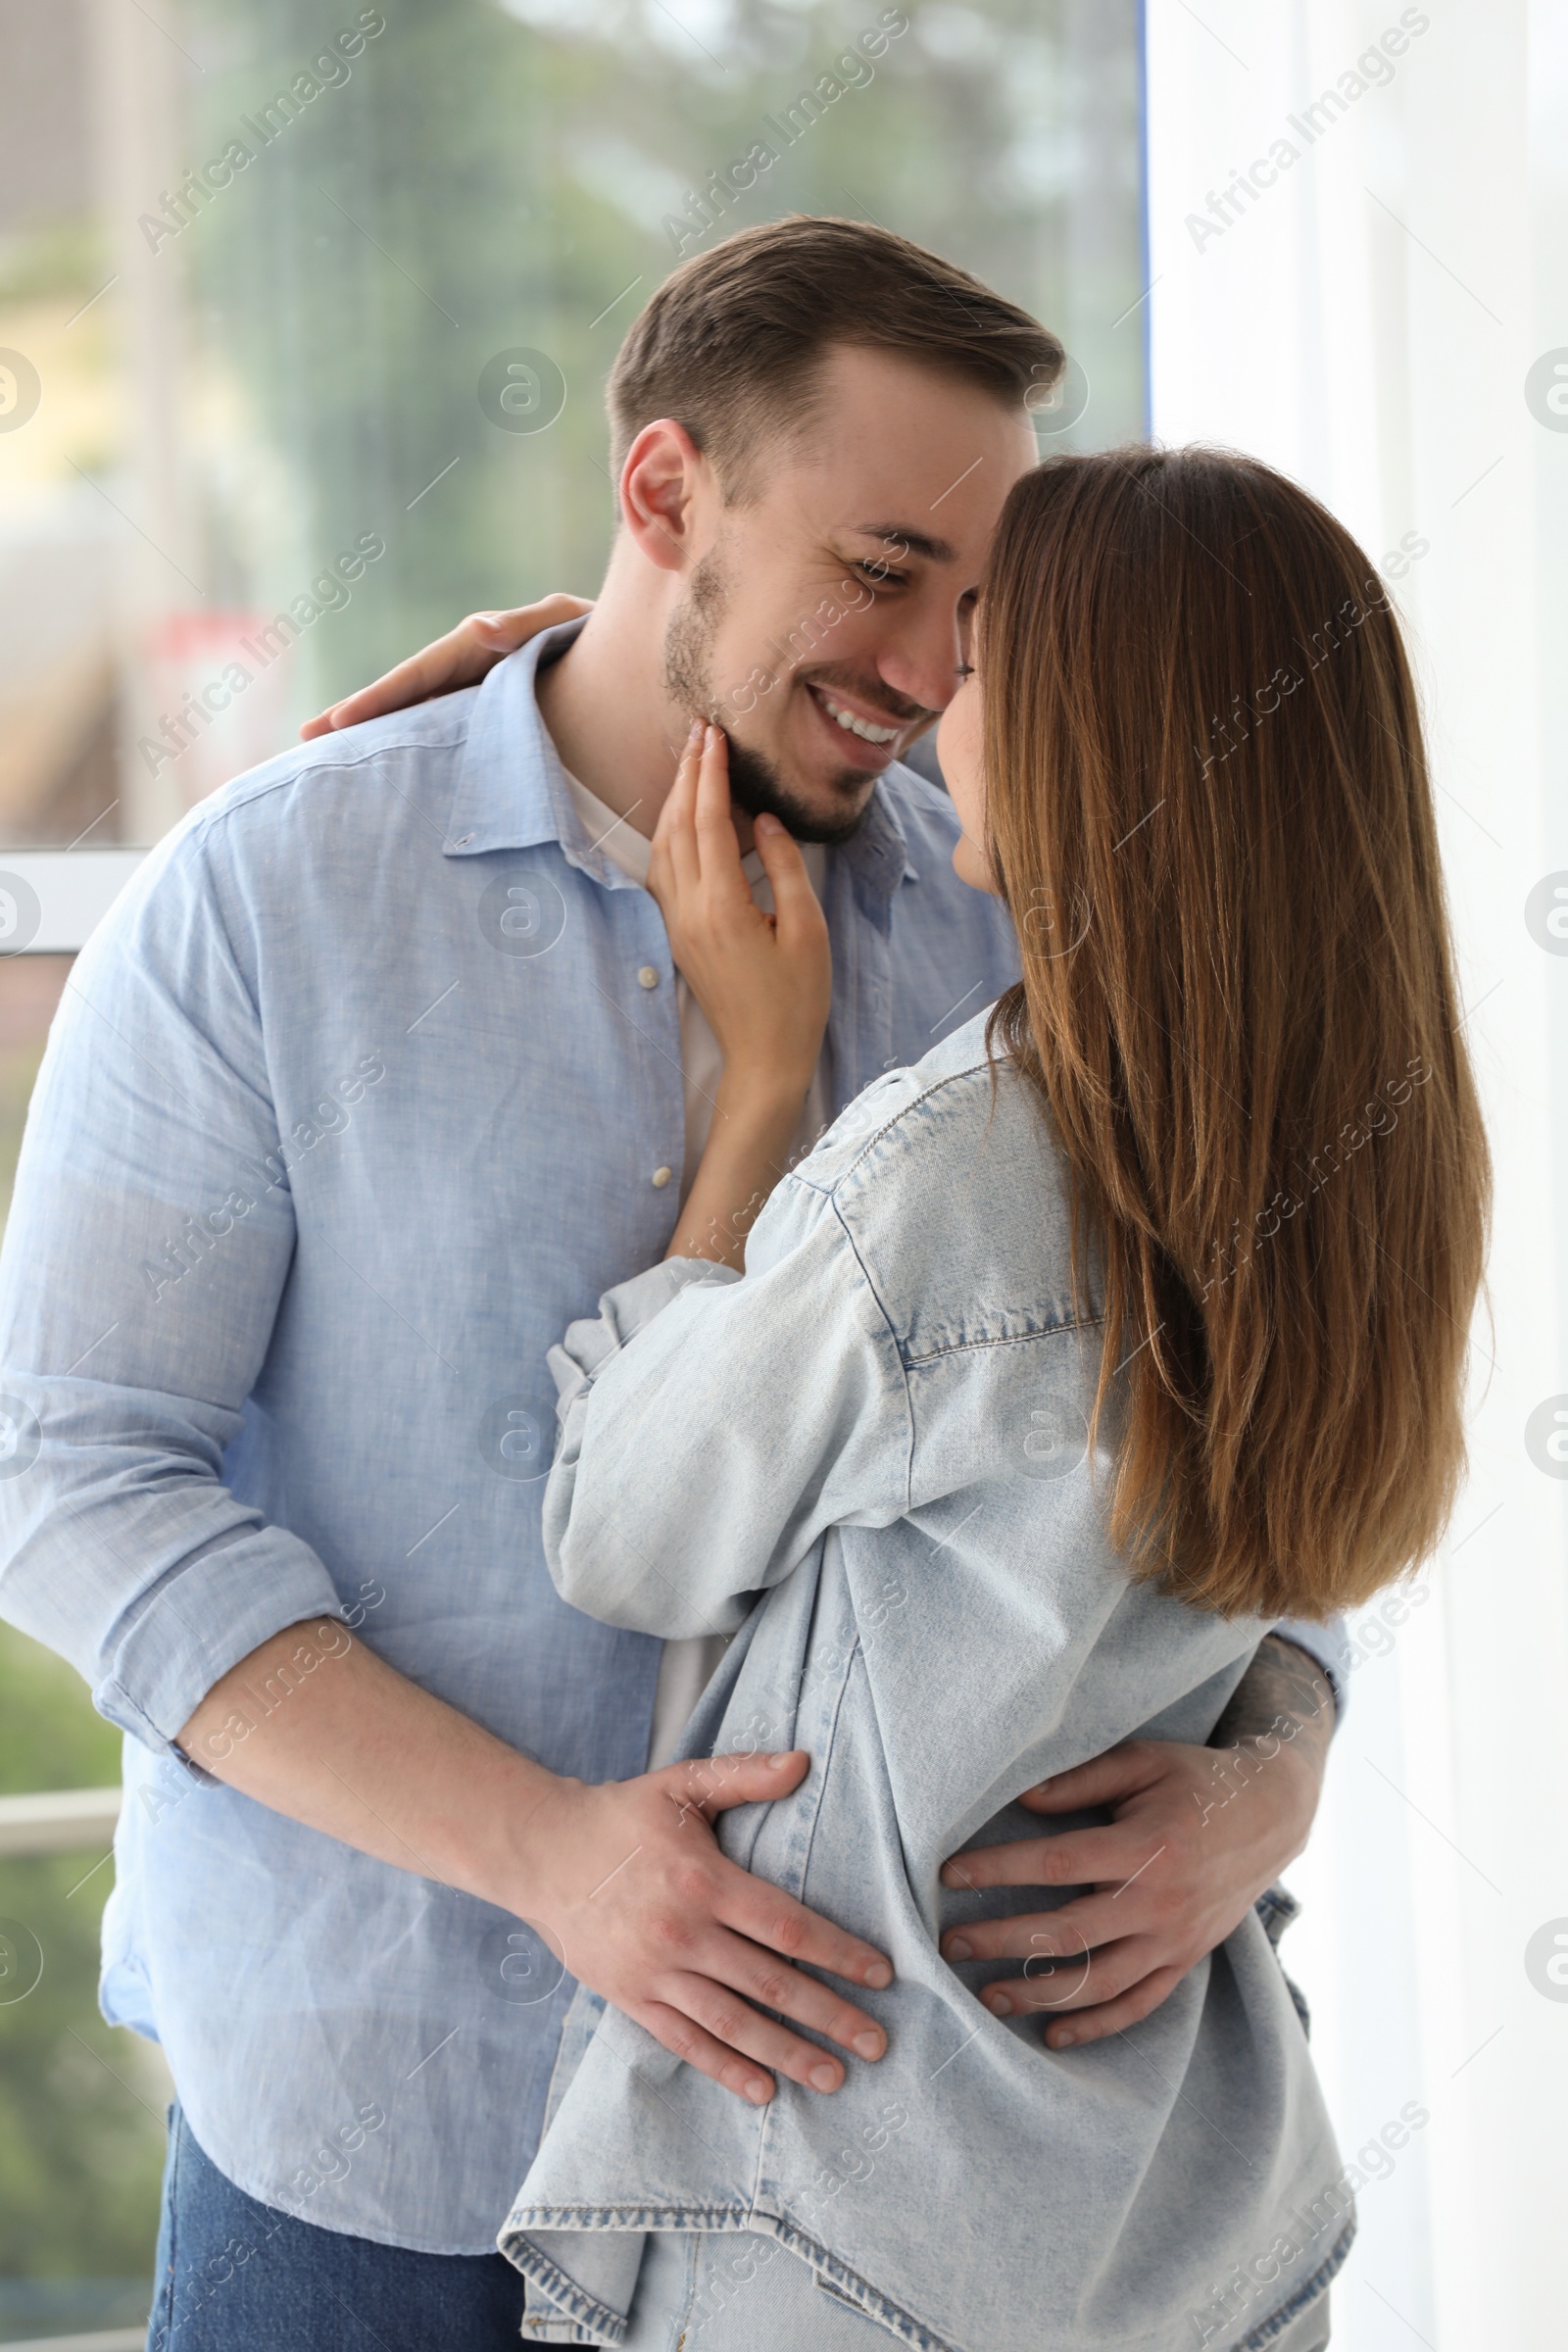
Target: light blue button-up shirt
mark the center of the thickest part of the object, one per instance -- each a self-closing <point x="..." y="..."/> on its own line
<point x="354" y="1102"/>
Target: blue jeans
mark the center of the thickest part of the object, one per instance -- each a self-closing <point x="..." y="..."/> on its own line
<point x="237" y="2276"/>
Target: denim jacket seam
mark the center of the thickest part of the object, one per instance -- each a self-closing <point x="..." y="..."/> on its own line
<point x="902" y="2323"/>
<point x="1003" y="1339"/>
<point x="894" y="1343"/>
<point x="927" y="1094"/>
<point x="855" y="1649"/>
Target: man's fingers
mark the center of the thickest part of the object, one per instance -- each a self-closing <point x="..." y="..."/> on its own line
<point x="1077" y="1858"/>
<point x="1113" y="2017"/>
<point x="765" y="1915"/>
<point x="768" y="1916"/>
<point x="461" y="658"/>
<point x="1119" y="1772"/>
<point x="1095" y="1919"/>
<point x="711" y="1783"/>
<point x="721" y="2011"/>
<point x="724" y="2037"/>
<point x="685" y="2039"/>
<point x="1055" y="1982"/>
<point x="772" y="1984"/>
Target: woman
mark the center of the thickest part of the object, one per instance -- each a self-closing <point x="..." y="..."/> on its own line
<point x="1129" y="1322"/>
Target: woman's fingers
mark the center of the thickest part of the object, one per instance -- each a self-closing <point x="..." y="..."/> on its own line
<point x="462" y="657"/>
<point x="719" y="848"/>
<point x="674" y="863"/>
<point x="794" y="901"/>
<point x="762" y="981"/>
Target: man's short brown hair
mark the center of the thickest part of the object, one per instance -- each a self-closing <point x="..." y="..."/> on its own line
<point x="731" y="343"/>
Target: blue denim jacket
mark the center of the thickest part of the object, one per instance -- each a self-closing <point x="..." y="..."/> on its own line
<point x="869" y="1456"/>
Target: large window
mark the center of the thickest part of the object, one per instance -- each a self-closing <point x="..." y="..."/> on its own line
<point x="305" y="315"/>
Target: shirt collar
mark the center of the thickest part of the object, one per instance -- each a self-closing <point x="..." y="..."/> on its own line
<point x="878" y="855"/>
<point x="512" y="788"/>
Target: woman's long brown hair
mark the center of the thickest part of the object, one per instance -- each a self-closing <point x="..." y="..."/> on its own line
<point x="1208" y="811"/>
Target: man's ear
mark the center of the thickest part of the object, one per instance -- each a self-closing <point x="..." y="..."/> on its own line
<point x="664" y="473"/>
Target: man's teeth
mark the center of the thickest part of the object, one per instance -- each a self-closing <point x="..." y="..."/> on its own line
<point x="859" y="726"/>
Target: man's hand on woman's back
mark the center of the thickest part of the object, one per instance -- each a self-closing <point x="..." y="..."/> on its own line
<point x="1196" y="1833"/>
<point x="624" y="1880"/>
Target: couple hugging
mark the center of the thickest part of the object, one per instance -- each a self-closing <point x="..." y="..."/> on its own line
<point x="724" y="1605"/>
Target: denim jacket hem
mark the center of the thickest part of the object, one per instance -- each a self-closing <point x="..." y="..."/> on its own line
<point x="1270" y="2330"/>
<point x="594" y="2322"/>
<point x="591" y="2312"/>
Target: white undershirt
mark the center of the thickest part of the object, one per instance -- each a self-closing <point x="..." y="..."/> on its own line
<point x="686" y="1665"/>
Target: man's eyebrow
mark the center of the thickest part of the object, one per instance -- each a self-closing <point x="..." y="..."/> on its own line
<point x="919" y="543"/>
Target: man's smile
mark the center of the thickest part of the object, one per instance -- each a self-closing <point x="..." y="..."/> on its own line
<point x="846" y="717"/>
<point x="864" y="734"/>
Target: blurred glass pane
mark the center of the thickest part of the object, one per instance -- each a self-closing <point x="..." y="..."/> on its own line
<point x="30" y="991"/>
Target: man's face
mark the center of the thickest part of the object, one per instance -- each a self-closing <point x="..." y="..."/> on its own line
<point x="825" y="623"/>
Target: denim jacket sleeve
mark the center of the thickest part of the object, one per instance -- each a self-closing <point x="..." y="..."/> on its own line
<point x="144" y="1257"/>
<point x="733" y="1420"/>
<point x="1329" y="1646"/>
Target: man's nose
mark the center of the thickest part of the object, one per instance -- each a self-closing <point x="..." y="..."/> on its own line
<point x="923" y="655"/>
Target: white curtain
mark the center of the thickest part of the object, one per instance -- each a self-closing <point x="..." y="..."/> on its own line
<point x="1358" y="258"/>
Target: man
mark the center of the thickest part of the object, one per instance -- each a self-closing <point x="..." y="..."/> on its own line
<point x="378" y="1074"/>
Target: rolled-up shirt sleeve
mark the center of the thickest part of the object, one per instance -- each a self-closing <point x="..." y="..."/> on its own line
<point x="713" y="1426"/>
<point x="148" y="1244"/>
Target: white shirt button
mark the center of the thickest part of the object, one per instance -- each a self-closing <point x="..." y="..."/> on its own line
<point x="662" y="1177"/>
<point x="647" y="977"/>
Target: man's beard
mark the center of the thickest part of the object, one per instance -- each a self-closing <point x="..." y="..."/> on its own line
<point x="754" y="782"/>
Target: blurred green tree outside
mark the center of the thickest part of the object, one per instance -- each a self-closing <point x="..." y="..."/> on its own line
<point x="81" y="2126"/>
<point x="499" y="177"/>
